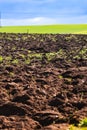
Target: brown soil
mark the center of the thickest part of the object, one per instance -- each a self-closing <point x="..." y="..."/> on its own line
<point x="43" y="94"/>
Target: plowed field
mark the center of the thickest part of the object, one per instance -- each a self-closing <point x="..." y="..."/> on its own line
<point x="43" y="81"/>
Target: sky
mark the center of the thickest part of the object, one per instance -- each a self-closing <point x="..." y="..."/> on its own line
<point x="40" y="12"/>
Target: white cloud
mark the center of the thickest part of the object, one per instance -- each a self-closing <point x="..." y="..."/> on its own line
<point x="45" y="20"/>
<point x="31" y="21"/>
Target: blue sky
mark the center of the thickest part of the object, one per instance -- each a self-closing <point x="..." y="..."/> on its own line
<point x="36" y="12"/>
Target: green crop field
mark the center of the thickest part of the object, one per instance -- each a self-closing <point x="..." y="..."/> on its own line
<point x="60" y="28"/>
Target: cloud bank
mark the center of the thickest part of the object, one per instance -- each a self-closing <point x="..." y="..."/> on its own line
<point x="45" y="21"/>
